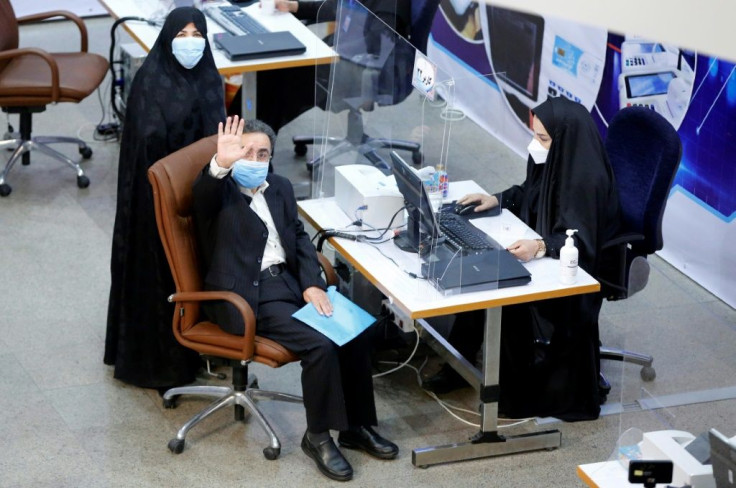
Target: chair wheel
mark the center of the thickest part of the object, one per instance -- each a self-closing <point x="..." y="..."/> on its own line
<point x="5" y="190"/>
<point x="271" y="453"/>
<point x="170" y="402"/>
<point x="416" y="158"/>
<point x="300" y="149"/>
<point x="86" y="152"/>
<point x="647" y="373"/>
<point x="82" y="181"/>
<point x="176" y="445"/>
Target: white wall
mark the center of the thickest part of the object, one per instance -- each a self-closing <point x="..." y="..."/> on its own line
<point x="706" y="25"/>
<point x="82" y="8"/>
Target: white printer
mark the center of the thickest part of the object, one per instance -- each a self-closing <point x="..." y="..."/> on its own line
<point x="363" y="192"/>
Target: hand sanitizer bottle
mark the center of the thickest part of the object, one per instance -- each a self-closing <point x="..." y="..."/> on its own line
<point x="569" y="259"/>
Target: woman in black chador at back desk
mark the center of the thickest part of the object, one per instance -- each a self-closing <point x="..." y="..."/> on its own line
<point x="550" y="358"/>
<point x="176" y="98"/>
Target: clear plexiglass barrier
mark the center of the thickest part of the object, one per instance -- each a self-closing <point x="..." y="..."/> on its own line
<point x="384" y="147"/>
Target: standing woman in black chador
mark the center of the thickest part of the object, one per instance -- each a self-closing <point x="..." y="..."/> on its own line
<point x="550" y="358"/>
<point x="176" y="98"/>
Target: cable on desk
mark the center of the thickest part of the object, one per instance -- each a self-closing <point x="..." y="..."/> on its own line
<point x="411" y="274"/>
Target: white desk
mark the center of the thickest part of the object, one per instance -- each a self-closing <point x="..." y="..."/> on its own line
<point x="317" y="51"/>
<point x="419" y="299"/>
<point x="608" y="474"/>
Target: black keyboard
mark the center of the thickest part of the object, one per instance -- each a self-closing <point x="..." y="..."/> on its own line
<point x="464" y="236"/>
<point x="234" y="20"/>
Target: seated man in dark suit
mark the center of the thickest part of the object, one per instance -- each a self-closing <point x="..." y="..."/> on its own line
<point x="253" y="243"/>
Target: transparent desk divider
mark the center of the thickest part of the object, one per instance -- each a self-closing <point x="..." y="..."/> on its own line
<point x="385" y="138"/>
<point x="662" y="410"/>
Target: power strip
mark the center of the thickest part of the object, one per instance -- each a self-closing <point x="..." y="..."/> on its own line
<point x="397" y="316"/>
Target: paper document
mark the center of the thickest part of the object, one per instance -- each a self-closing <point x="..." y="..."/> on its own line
<point x="347" y="321"/>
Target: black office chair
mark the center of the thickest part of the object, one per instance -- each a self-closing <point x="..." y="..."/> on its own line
<point x="375" y="84"/>
<point x="644" y="150"/>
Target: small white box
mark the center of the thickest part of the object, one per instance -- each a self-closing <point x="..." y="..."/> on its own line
<point x="362" y="191"/>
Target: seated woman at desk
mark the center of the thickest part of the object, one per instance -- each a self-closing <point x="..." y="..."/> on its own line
<point x="176" y="98"/>
<point x="550" y="349"/>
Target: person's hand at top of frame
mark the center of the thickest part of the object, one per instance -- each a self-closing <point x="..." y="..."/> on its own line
<point x="230" y="142"/>
<point x="319" y="299"/>
<point x="286" y="6"/>
<point x="524" y="249"/>
<point x="484" y="201"/>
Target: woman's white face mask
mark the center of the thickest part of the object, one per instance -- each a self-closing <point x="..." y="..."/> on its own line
<point x="188" y="50"/>
<point x="537" y="151"/>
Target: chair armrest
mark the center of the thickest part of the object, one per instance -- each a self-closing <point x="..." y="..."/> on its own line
<point x="329" y="271"/>
<point x="622" y="239"/>
<point x="249" y="318"/>
<point x="32" y="51"/>
<point x="27" y="19"/>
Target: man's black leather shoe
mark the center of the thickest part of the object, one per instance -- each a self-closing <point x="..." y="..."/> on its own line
<point x="368" y="440"/>
<point x="329" y="459"/>
<point x="444" y="381"/>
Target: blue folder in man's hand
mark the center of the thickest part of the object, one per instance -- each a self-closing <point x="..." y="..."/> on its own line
<point x="347" y="321"/>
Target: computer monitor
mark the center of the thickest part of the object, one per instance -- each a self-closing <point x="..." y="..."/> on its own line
<point x="723" y="459"/>
<point x="516" y="49"/>
<point x="422" y="228"/>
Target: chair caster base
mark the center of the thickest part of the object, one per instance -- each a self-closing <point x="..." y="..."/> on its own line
<point x="86" y="152"/>
<point x="648" y="373"/>
<point x="300" y="149"/>
<point x="82" y="181"/>
<point x="271" y="453"/>
<point x="170" y="402"/>
<point x="176" y="445"/>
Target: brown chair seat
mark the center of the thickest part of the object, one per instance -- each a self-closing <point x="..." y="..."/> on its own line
<point x="267" y="352"/>
<point x="26" y="80"/>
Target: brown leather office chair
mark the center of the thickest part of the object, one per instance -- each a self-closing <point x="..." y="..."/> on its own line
<point x="172" y="179"/>
<point x="31" y="78"/>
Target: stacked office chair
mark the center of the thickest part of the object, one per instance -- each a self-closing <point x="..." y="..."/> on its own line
<point x="172" y="179"/>
<point x="644" y="150"/>
<point x="374" y="84"/>
<point x="31" y="78"/>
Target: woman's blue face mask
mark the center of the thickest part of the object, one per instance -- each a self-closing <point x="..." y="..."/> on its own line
<point x="188" y="50"/>
<point x="249" y="174"/>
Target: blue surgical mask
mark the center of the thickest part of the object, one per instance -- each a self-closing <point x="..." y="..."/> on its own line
<point x="249" y="174"/>
<point x="188" y="50"/>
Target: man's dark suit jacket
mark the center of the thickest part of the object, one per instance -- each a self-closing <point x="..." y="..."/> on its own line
<point x="232" y="239"/>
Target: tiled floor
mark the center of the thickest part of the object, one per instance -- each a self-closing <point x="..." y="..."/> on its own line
<point x="65" y="422"/>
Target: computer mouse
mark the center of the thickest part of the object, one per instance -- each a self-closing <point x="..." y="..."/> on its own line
<point x="465" y="209"/>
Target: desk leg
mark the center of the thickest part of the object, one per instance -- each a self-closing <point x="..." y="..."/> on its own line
<point x="248" y="100"/>
<point x="487" y="442"/>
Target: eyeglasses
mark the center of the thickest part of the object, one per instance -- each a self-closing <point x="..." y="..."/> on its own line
<point x="261" y="155"/>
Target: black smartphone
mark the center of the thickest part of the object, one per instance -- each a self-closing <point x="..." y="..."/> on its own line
<point x="650" y="473"/>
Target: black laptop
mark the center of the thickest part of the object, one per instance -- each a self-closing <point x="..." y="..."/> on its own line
<point x="490" y="270"/>
<point x="257" y="46"/>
